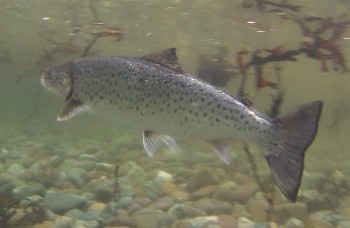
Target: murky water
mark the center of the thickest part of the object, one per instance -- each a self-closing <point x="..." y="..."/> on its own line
<point x="79" y="155"/>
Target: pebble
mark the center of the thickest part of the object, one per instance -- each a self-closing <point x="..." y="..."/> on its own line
<point x="125" y="202"/>
<point x="244" y="222"/>
<point x="131" y="179"/>
<point x="146" y="221"/>
<point x="343" y="224"/>
<point x="162" y="204"/>
<point x="224" y="193"/>
<point x="76" y="176"/>
<point x="16" y="169"/>
<point x="294" y="223"/>
<point x="162" y="177"/>
<point x="64" y="222"/>
<point x="213" y="207"/>
<point x="7" y="183"/>
<point x="185" y="211"/>
<point x="202" y="221"/>
<point x="290" y="210"/>
<point x="242" y="193"/>
<point x="257" y="209"/>
<point x="203" y="192"/>
<point x="62" y="201"/>
<point x="29" y="189"/>
<point x="205" y="176"/>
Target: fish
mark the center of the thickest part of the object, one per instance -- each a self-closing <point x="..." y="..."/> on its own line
<point x="152" y="94"/>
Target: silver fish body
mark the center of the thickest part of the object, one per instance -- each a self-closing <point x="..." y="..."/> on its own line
<point x="160" y="100"/>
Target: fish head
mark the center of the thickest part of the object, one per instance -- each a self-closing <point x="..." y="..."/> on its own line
<point x="58" y="79"/>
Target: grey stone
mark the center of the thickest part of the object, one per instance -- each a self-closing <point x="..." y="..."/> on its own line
<point x="60" y="202"/>
<point x="131" y="178"/>
<point x="64" y="222"/>
<point x="343" y="224"/>
<point x="75" y="175"/>
<point x="16" y="169"/>
<point x="7" y="183"/>
<point x="182" y="211"/>
<point x="125" y="202"/>
<point x="294" y="223"/>
<point x="162" y="177"/>
<point x="29" y="189"/>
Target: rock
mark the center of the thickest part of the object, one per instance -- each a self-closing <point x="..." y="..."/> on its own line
<point x="180" y="196"/>
<point x="204" y="177"/>
<point x="291" y="210"/>
<point x="243" y="222"/>
<point x="204" y="192"/>
<point x="243" y="193"/>
<point x="201" y="222"/>
<point x="162" y="204"/>
<point x="163" y="219"/>
<point x="102" y="188"/>
<point x="327" y="216"/>
<point x="105" y="167"/>
<point x="16" y="169"/>
<point x="87" y="157"/>
<point x="257" y="209"/>
<point x="185" y="211"/>
<point x="162" y="177"/>
<point x="96" y="207"/>
<point x="146" y="221"/>
<point x="168" y="188"/>
<point x="125" y="202"/>
<point x="28" y="189"/>
<point x="131" y="178"/>
<point x="124" y="220"/>
<point x="110" y="212"/>
<point x="224" y="221"/>
<point x="294" y="223"/>
<point x="88" y="224"/>
<point x="213" y="207"/>
<point x="143" y="201"/>
<point x="7" y="183"/>
<point x="76" y="176"/>
<point x="64" y="222"/>
<point x="44" y="224"/>
<point x="134" y="208"/>
<point x="224" y="193"/>
<point x="343" y="224"/>
<point x="62" y="201"/>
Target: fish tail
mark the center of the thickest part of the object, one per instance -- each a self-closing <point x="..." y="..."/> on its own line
<point x="285" y="153"/>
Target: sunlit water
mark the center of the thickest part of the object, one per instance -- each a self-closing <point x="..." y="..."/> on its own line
<point x="30" y="29"/>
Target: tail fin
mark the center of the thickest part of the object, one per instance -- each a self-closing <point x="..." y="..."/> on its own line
<point x="285" y="156"/>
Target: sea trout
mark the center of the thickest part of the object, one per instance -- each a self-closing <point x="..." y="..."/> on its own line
<point x="153" y="95"/>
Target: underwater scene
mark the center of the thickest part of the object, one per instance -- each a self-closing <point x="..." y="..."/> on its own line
<point x="180" y="114"/>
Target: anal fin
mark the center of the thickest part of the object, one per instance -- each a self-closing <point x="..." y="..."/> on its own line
<point x="152" y="141"/>
<point x="221" y="150"/>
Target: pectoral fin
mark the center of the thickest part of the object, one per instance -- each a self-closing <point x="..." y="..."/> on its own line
<point x="152" y="141"/>
<point x="72" y="108"/>
<point x="221" y="150"/>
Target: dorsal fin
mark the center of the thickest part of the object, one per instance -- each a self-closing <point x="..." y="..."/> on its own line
<point x="166" y="58"/>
